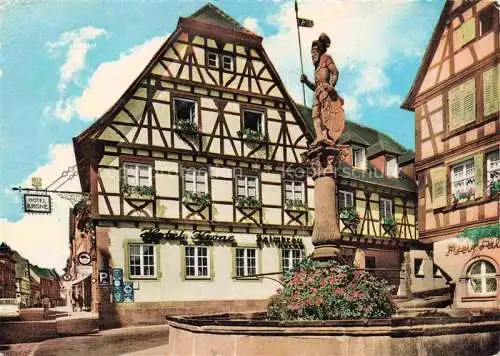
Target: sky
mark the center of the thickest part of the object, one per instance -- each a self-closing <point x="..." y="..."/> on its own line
<point x="64" y="63"/>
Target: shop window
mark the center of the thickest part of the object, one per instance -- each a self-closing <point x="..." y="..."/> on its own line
<point x="482" y="278"/>
<point x="246" y="262"/>
<point x="462" y="105"/>
<point x="370" y="262"/>
<point x="227" y="63"/>
<point x="212" y="60"/>
<point x="487" y="20"/>
<point x="359" y="157"/>
<point x="141" y="261"/>
<point x="385" y="209"/>
<point x="185" y="111"/>
<point x="197" y="262"/>
<point x="252" y="120"/>
<point x="138" y="175"/>
<point x="493" y="172"/>
<point x="247" y="187"/>
<point x="346" y="199"/>
<point x="195" y="181"/>
<point x="290" y="258"/>
<point x="391" y="167"/>
<point x="463" y="181"/>
<point x="418" y="267"/>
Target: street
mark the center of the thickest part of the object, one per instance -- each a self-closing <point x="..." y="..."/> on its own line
<point x="133" y="341"/>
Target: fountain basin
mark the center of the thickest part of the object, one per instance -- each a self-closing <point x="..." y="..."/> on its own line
<point x="238" y="334"/>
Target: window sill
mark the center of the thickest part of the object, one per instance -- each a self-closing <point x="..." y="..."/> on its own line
<point x="138" y="197"/>
<point x="192" y="278"/>
<point x="242" y="278"/>
<point x="480" y="298"/>
<point x="143" y="278"/>
<point x="467" y="127"/>
<point x="466" y="204"/>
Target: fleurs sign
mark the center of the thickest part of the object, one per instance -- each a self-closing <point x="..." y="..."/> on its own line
<point x="34" y="203"/>
<point x="155" y="236"/>
<point x="279" y="241"/>
<point x="455" y="249"/>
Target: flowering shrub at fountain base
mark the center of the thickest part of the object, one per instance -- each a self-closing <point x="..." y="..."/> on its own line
<point x="328" y="290"/>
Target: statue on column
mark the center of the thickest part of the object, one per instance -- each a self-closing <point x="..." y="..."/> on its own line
<point x="327" y="112"/>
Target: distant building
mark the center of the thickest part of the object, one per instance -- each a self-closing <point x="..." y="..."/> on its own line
<point x="23" y="283"/>
<point x="49" y="284"/>
<point x="7" y="272"/>
<point x="455" y="97"/>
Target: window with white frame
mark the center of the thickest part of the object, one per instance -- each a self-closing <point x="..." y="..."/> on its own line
<point x="290" y="257"/>
<point x="246" y="262"/>
<point x="294" y="191"/>
<point x="246" y="186"/>
<point x="197" y="263"/>
<point x="141" y="261"/>
<point x="385" y="209"/>
<point x="392" y="167"/>
<point x="185" y="110"/>
<point x="195" y="181"/>
<point x="463" y="180"/>
<point x="252" y="120"/>
<point x="138" y="174"/>
<point x="359" y="157"/>
<point x="227" y="63"/>
<point x="482" y="278"/>
<point x="212" y="60"/>
<point x="493" y="171"/>
<point x="346" y="199"/>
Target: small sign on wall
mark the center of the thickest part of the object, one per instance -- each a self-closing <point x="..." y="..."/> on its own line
<point x="103" y="278"/>
<point x="117" y="274"/>
<point x="128" y="292"/>
<point x="40" y="204"/>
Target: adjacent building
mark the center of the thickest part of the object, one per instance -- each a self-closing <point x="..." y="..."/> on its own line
<point x="7" y="272"/>
<point x="455" y="97"/>
<point x="196" y="185"/>
<point x="23" y="283"/>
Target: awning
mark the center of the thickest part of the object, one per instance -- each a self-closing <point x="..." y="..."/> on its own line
<point x="78" y="280"/>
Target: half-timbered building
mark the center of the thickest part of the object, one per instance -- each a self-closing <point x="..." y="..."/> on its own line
<point x="455" y="97"/>
<point x="196" y="183"/>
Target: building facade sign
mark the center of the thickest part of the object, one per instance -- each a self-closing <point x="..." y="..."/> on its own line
<point x="34" y="203"/>
<point x="279" y="241"/>
<point x="465" y="248"/>
<point x="155" y="236"/>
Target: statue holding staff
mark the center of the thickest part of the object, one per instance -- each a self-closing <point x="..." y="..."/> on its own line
<point x="327" y="111"/>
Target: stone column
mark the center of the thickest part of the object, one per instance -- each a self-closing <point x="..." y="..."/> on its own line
<point x="323" y="160"/>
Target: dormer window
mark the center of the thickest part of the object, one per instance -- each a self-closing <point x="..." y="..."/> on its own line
<point x="212" y="60"/>
<point x="391" y="167"/>
<point x="252" y="120"/>
<point x="358" y="157"/>
<point x="227" y="63"/>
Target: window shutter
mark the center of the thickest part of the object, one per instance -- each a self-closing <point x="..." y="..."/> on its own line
<point x="469" y="102"/>
<point x="455" y="107"/>
<point x="439" y="186"/>
<point x="467" y="31"/>
<point x="478" y="163"/>
<point x="491" y="89"/>
<point x="342" y="200"/>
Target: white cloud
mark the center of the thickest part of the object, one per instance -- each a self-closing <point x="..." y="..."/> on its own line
<point x="384" y="100"/>
<point x="78" y="43"/>
<point x="367" y="38"/>
<point x="251" y="24"/>
<point x="111" y="79"/>
<point x="43" y="239"/>
<point x="1" y="73"/>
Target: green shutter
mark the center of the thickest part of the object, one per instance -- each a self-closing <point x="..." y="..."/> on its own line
<point x="455" y="108"/>
<point x="478" y="166"/>
<point x="491" y="89"/>
<point x="467" y="31"/>
<point x="469" y="101"/>
<point x="439" y="177"/>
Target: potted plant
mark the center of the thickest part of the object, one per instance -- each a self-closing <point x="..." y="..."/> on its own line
<point x="142" y="192"/>
<point x="495" y="187"/>
<point x="248" y="202"/>
<point x="187" y="127"/>
<point x="252" y="136"/>
<point x="389" y="225"/>
<point x="350" y="218"/>
<point x="295" y="204"/>
<point x="464" y="195"/>
<point x="202" y="200"/>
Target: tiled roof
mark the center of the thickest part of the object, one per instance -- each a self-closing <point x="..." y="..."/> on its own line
<point x="211" y="14"/>
<point x="45" y="272"/>
<point x="375" y="142"/>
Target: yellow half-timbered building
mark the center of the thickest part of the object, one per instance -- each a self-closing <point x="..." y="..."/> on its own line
<point x="196" y="182"/>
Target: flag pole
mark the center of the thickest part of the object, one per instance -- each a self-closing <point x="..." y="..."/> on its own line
<point x="300" y="52"/>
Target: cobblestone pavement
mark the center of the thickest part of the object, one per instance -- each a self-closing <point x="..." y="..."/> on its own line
<point x="134" y="341"/>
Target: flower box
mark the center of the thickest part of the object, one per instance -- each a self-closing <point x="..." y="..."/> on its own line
<point x="187" y="127"/>
<point x="252" y="137"/>
<point x="295" y="205"/>
<point x="201" y="200"/>
<point x="138" y="192"/>
<point x="389" y="226"/>
<point x="248" y="202"/>
<point x="349" y="218"/>
<point x="463" y="196"/>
